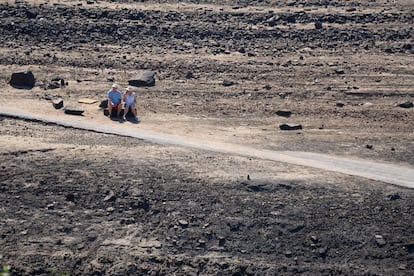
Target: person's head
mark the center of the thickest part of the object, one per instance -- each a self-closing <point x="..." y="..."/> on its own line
<point x="114" y="87"/>
<point x="128" y="90"/>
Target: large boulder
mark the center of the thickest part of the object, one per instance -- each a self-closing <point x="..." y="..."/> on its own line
<point x="24" y="79"/>
<point x="143" y="78"/>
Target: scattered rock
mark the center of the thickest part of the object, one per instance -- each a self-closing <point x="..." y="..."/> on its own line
<point x="70" y="197"/>
<point x="74" y="111"/>
<point x="380" y="240"/>
<point x="57" y="103"/>
<point x="394" y="196"/>
<point x="183" y="223"/>
<point x="340" y="71"/>
<point x="410" y="247"/>
<point x="143" y="78"/>
<point x="24" y="79"/>
<point x="318" y="25"/>
<point x="110" y="196"/>
<point x="228" y="83"/>
<point x="406" y="105"/>
<point x="284" y="113"/>
<point x="289" y="126"/>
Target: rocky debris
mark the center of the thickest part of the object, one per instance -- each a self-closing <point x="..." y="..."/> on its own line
<point x="407" y="104"/>
<point x="290" y="126"/>
<point x="73" y="111"/>
<point x="143" y="78"/>
<point x="57" y="103"/>
<point x="24" y="79"/>
<point x="284" y="113"/>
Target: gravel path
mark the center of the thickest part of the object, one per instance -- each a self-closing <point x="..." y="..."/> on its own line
<point x="389" y="173"/>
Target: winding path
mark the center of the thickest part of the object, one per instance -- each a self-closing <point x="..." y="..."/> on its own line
<point x="389" y="173"/>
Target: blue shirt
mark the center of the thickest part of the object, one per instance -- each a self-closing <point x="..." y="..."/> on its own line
<point x="115" y="96"/>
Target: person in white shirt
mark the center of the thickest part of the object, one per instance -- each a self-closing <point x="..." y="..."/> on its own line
<point x="130" y="101"/>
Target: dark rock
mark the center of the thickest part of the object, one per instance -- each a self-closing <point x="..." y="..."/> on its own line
<point x="228" y="83"/>
<point x="31" y="14"/>
<point x="189" y="75"/>
<point x="410" y="247"/>
<point x="22" y="79"/>
<point x="318" y="25"/>
<point x="284" y="113"/>
<point x="394" y="196"/>
<point x="53" y="85"/>
<point x="340" y="104"/>
<point x="323" y="251"/>
<point x="340" y="71"/>
<point x="369" y="146"/>
<point x="406" y="105"/>
<point x="70" y="197"/>
<point x="73" y="111"/>
<point x="296" y="228"/>
<point x="104" y="104"/>
<point x="144" y="204"/>
<point x="143" y="78"/>
<point x="290" y="126"/>
<point x="57" y="103"/>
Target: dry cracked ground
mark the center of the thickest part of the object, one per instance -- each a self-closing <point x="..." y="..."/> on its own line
<point x="83" y="203"/>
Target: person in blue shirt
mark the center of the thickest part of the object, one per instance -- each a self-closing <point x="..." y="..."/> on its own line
<point x="114" y="100"/>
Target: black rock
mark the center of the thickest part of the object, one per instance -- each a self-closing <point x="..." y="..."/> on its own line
<point x="290" y="126"/>
<point x="143" y="78"/>
<point x="24" y="79"/>
<point x="318" y="25"/>
<point x="340" y="71"/>
<point x="73" y="111"/>
<point x="406" y="105"/>
<point x="228" y="83"/>
<point x="57" y="103"/>
<point x="394" y="196"/>
<point x="284" y="113"/>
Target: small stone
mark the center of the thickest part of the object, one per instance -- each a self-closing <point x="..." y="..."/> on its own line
<point x="406" y="105"/>
<point x="73" y="111"/>
<point x="183" y="223"/>
<point x="290" y="126"/>
<point x="380" y="240"/>
<point x="228" y="83"/>
<point x="284" y="113"/>
<point x="57" y="103"/>
<point x="340" y="71"/>
<point x="110" y="196"/>
<point x="369" y="146"/>
<point x="340" y="104"/>
<point x="394" y="196"/>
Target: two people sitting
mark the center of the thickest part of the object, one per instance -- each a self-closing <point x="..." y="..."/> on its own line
<point x="116" y="98"/>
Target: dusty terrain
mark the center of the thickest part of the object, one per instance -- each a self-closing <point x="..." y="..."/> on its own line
<point x="78" y="202"/>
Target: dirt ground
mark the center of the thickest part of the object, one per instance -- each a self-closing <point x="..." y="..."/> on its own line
<point x="76" y="202"/>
